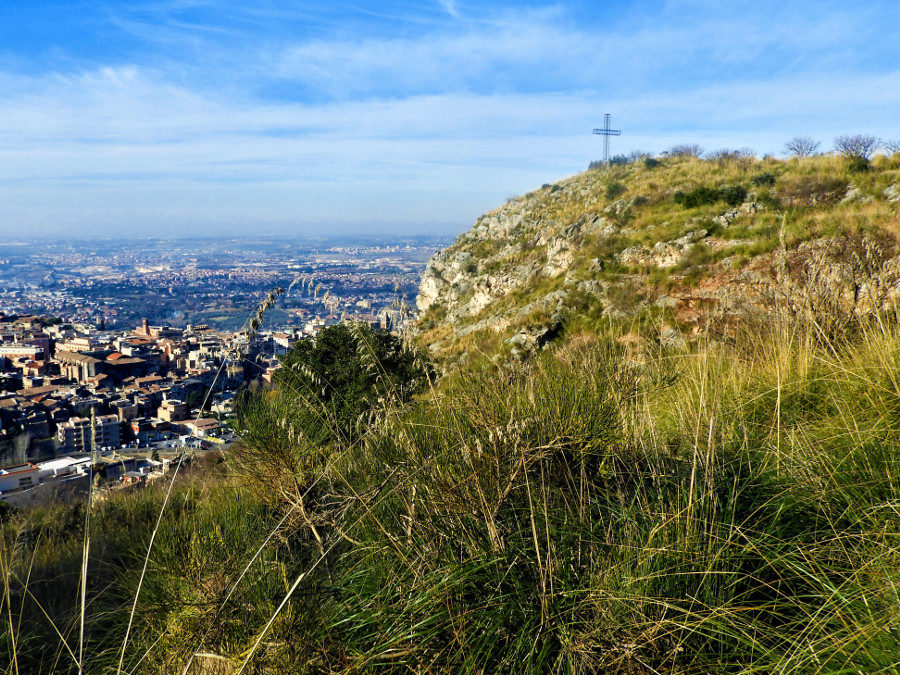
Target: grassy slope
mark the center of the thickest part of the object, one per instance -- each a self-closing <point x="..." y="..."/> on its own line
<point x="726" y="510"/>
<point x="658" y="218"/>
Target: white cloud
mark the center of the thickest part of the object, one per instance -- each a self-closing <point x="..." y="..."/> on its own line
<point x="423" y="131"/>
<point x="540" y="50"/>
<point x="116" y="147"/>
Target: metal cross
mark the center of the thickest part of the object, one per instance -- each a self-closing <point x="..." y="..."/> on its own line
<point x="606" y="132"/>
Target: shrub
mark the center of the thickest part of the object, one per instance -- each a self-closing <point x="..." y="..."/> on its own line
<point x="614" y="189"/>
<point x="336" y="379"/>
<point x="684" y="150"/>
<point x="704" y="195"/>
<point x="764" y="178"/>
<point x="697" y="197"/>
<point x="618" y="160"/>
<point x="858" y="165"/>
<point x="651" y="162"/>
<point x="732" y="194"/>
<point x="726" y="155"/>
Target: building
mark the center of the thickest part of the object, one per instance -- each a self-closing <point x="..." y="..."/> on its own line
<point x="77" y="366"/>
<point x="19" y="477"/>
<point x="113" y="467"/>
<point x="75" y="434"/>
<point x="172" y="411"/>
<point x="63" y="466"/>
<point x="79" y="344"/>
<point x="16" y="351"/>
<point x="126" y="410"/>
<point x="202" y="426"/>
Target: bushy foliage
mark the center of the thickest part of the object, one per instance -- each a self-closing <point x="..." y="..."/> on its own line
<point x="726" y="155"/>
<point x="348" y="368"/>
<point x="329" y="390"/>
<point x="614" y="189"/>
<point x="763" y="179"/>
<point x="703" y="195"/>
<point x="858" y="165"/>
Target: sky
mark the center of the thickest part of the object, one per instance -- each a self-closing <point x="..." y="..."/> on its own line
<point x="212" y="117"/>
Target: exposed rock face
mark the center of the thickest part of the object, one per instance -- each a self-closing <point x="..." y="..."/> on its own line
<point x="527" y="268"/>
<point x="663" y="253"/>
<point x="465" y="286"/>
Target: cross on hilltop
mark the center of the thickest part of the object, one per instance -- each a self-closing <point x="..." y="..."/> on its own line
<point x="606" y="132"/>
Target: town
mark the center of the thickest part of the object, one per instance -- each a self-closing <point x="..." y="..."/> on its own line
<point x="85" y="396"/>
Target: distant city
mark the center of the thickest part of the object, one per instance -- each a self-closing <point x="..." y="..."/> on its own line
<point x="115" y="357"/>
<point x="210" y="281"/>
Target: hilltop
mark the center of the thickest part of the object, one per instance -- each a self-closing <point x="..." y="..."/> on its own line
<point x="671" y="248"/>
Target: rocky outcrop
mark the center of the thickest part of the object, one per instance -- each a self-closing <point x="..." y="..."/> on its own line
<point x="663" y="253"/>
<point x="524" y="270"/>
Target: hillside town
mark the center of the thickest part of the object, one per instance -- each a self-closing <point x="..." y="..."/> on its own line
<point x="134" y="398"/>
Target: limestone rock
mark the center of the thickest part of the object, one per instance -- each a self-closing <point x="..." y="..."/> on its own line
<point x="663" y="253"/>
<point x="528" y="340"/>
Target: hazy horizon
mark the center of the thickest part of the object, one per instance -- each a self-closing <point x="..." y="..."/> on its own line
<point x="196" y="117"/>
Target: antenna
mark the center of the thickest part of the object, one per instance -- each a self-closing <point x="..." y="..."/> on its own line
<point x="606" y="132"/>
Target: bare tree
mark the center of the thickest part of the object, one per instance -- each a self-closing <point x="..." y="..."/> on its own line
<point x="684" y="150"/>
<point x="801" y="146"/>
<point x="726" y="155"/>
<point x="892" y="147"/>
<point x="856" y="146"/>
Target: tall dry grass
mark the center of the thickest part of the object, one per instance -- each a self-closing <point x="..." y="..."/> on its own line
<point x="732" y="508"/>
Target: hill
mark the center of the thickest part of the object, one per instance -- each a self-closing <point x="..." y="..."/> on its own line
<point x="671" y="248"/>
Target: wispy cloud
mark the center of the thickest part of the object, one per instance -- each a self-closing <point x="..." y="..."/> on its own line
<point x="425" y="127"/>
<point x="450" y="7"/>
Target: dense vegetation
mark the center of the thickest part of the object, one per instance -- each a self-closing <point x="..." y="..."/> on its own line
<point x="732" y="509"/>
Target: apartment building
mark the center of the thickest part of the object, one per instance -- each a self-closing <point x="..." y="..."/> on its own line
<point x="75" y="435"/>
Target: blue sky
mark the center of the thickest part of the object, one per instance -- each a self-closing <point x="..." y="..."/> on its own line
<point x="204" y="117"/>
